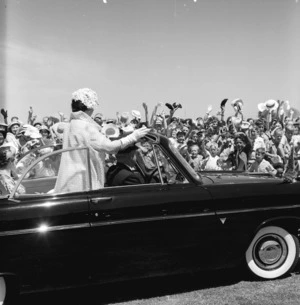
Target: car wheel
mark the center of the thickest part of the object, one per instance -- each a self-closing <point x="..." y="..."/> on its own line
<point x="273" y="253"/>
<point x="2" y="290"/>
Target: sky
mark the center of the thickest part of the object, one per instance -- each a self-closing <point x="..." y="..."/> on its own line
<point x="193" y="52"/>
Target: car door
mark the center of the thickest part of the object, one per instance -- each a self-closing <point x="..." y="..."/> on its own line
<point x="150" y="229"/>
<point x="244" y="203"/>
<point x="44" y="236"/>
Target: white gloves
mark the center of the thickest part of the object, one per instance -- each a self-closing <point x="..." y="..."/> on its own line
<point x="141" y="132"/>
<point x="134" y="136"/>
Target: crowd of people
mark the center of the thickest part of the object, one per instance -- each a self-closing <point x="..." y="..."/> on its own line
<point x="268" y="143"/>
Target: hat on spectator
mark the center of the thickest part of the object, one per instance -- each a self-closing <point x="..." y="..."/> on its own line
<point x="126" y="130"/>
<point x="268" y="105"/>
<point x="29" y="131"/>
<point x="237" y="103"/>
<point x="125" y="118"/>
<point x="44" y="127"/>
<point x="111" y="130"/>
<point x="99" y="115"/>
<point x="136" y="114"/>
<point x="158" y="120"/>
<point x="13" y="123"/>
<point x="37" y="123"/>
<point x="245" y="125"/>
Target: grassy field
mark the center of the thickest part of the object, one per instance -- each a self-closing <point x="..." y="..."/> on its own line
<point x="225" y="287"/>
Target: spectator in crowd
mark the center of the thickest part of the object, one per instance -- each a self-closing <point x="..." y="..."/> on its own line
<point x="236" y="138"/>
<point x="211" y="163"/>
<point x="260" y="165"/>
<point x="11" y="134"/>
<point x="242" y="149"/>
<point x="2" y="137"/>
<point x="195" y="158"/>
<point x="46" y="135"/>
<point x="284" y="145"/>
<point x="7" y="166"/>
<point x="255" y="139"/>
<point x="28" y="138"/>
<point x="180" y="137"/>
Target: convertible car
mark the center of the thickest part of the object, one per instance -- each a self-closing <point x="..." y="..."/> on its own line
<point x="177" y="221"/>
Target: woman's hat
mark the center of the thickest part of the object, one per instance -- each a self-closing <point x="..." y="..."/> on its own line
<point x="136" y="114"/>
<point x="14" y="123"/>
<point x="237" y="103"/>
<point x="87" y="96"/>
<point x="245" y="125"/>
<point x="37" y="123"/>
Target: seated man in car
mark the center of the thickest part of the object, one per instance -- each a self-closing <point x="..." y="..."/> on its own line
<point x="125" y="171"/>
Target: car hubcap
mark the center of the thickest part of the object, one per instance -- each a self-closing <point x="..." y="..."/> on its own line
<point x="270" y="252"/>
<point x="2" y="290"/>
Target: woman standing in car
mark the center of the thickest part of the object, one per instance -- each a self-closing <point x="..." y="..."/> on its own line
<point x="82" y="130"/>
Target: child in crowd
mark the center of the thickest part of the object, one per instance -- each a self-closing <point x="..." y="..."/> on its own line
<point x="195" y="159"/>
<point x="211" y="162"/>
<point x="260" y="165"/>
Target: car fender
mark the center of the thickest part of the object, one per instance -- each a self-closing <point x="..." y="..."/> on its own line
<point x="289" y="223"/>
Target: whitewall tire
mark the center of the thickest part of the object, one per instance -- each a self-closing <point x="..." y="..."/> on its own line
<point x="273" y="253"/>
<point x="2" y="290"/>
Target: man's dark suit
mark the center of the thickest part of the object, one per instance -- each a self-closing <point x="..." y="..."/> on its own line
<point x="120" y="174"/>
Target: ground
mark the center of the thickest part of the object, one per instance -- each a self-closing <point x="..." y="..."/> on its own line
<point x="224" y="287"/>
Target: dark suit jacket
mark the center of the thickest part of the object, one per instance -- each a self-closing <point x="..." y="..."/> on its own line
<point x="120" y="174"/>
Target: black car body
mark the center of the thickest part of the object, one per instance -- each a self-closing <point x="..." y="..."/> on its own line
<point x="183" y="221"/>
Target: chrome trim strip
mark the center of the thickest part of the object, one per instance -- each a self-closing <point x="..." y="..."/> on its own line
<point x="220" y="212"/>
<point x="49" y="229"/>
<point x="101" y="223"/>
<point x="147" y="219"/>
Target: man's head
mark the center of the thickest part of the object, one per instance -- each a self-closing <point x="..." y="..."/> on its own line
<point x="7" y="156"/>
<point x="277" y="135"/>
<point x="213" y="149"/>
<point x="240" y="140"/>
<point x="289" y="131"/>
<point x="44" y="131"/>
<point x="180" y="136"/>
<point x="185" y="129"/>
<point x="194" y="150"/>
<point x="127" y="156"/>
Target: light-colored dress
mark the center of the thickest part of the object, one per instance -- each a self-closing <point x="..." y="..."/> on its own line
<point x="73" y="171"/>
